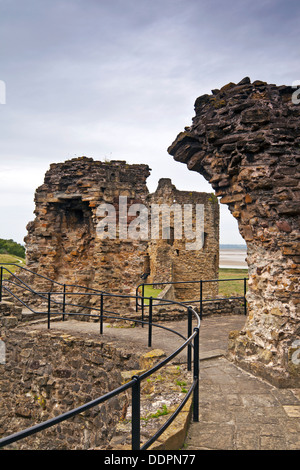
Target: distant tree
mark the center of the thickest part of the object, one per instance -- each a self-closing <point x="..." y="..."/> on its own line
<point x="12" y="248"/>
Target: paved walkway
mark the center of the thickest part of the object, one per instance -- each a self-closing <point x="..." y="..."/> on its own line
<point x="241" y="412"/>
<point x="237" y="410"/>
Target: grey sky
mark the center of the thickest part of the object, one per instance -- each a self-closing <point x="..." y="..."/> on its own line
<point x="118" y="79"/>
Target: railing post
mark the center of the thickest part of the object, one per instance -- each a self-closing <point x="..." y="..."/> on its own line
<point x="245" y="292"/>
<point x="196" y="377"/>
<point x="189" y="348"/>
<point x="101" y="314"/>
<point x="137" y="299"/>
<point x="49" y="308"/>
<point x="150" y="323"/>
<point x="136" y="414"/>
<point x="143" y="291"/>
<point x="1" y="277"/>
<point x="64" y="302"/>
<point x="201" y="295"/>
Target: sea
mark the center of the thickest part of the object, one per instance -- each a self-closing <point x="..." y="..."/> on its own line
<point x="233" y="256"/>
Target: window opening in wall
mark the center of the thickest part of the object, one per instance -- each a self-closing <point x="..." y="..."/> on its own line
<point x="204" y="240"/>
<point x="171" y="237"/>
<point x="146" y="272"/>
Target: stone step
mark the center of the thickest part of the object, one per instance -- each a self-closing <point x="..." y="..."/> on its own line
<point x="27" y="315"/>
<point x="7" y="299"/>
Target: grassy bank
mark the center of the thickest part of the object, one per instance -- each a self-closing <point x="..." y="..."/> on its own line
<point x="5" y="258"/>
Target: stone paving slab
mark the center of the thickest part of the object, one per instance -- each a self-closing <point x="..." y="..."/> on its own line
<point x="241" y="412"/>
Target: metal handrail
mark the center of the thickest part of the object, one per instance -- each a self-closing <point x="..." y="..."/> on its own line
<point x="48" y="279"/>
<point x="42" y="295"/>
<point x="191" y="343"/>
<point x="200" y="300"/>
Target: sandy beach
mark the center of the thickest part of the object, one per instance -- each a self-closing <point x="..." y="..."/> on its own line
<point x="233" y="258"/>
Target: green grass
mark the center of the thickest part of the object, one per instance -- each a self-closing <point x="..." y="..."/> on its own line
<point x="11" y="259"/>
<point x="226" y="289"/>
<point x="160" y="412"/>
<point x="149" y="291"/>
<point x="232" y="288"/>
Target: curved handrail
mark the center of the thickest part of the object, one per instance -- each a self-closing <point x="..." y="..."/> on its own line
<point x="49" y="279"/>
<point x="31" y="272"/>
<point x="192" y="343"/>
<point x="42" y="295"/>
<point x="129" y="385"/>
<point x="69" y="414"/>
<point x="45" y="296"/>
<point x="199" y="300"/>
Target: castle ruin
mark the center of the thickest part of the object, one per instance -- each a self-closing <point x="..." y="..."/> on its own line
<point x="81" y="195"/>
<point x="244" y="139"/>
<point x="179" y="260"/>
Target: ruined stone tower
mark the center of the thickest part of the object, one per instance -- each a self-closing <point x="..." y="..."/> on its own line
<point x="174" y="259"/>
<point x="244" y="139"/>
<point x="64" y="242"/>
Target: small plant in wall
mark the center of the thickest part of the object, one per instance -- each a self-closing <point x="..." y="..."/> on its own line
<point x="40" y="400"/>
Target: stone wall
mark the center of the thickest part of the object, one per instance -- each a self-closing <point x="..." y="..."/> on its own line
<point x="63" y="241"/>
<point x="162" y="311"/>
<point x="244" y="139"/>
<point x="181" y="259"/>
<point x="47" y="374"/>
<point x="10" y="315"/>
<point x="223" y="307"/>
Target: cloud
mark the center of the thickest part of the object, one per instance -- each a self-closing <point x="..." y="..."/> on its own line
<point x="114" y="78"/>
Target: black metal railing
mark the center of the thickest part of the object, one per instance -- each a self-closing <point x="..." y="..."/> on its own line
<point x="58" y="285"/>
<point x="15" y="281"/>
<point x="140" y="294"/>
<point x="190" y="342"/>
